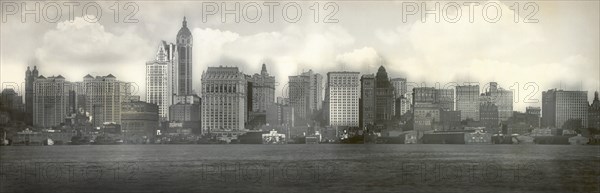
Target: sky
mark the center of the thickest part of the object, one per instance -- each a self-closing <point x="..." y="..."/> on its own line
<point x="558" y="47"/>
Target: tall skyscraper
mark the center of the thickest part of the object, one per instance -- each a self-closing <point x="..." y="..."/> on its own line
<point x="223" y="110"/>
<point x="103" y="98"/>
<point x="50" y="101"/>
<point x="30" y="77"/>
<point x="184" y="59"/>
<point x="467" y="101"/>
<point x="343" y="90"/>
<point x="403" y="99"/>
<point x="315" y="99"/>
<point x="158" y="82"/>
<point x="559" y="106"/>
<point x="367" y="100"/>
<point x="263" y="93"/>
<point x="384" y="97"/>
<point x="299" y="95"/>
<point x="503" y="99"/>
<point x="594" y="113"/>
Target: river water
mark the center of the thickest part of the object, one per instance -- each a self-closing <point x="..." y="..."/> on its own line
<point x="300" y="168"/>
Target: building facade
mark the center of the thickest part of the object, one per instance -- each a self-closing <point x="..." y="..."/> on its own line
<point x="467" y="101"/>
<point x="224" y="101"/>
<point x="558" y="106"/>
<point x="159" y="82"/>
<point x="139" y="120"/>
<point x="343" y="90"/>
<point x="11" y="100"/>
<point x="402" y="101"/>
<point x="184" y="59"/>
<point x="367" y="100"/>
<point x="503" y="99"/>
<point x="299" y="96"/>
<point x="50" y="101"/>
<point x="103" y="96"/>
<point x="489" y="115"/>
<point x="263" y="90"/>
<point x="594" y="113"/>
<point x="30" y="76"/>
<point x="384" y="97"/>
<point x="315" y="99"/>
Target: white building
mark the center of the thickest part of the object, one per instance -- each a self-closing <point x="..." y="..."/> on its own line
<point x="559" y="106"/>
<point x="343" y="92"/>
<point x="159" y="82"/>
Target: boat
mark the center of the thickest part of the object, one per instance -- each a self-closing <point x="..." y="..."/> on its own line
<point x="4" y="140"/>
<point x="48" y="141"/>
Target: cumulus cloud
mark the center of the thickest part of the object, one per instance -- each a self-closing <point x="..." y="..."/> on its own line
<point x="82" y="42"/>
<point x="506" y="52"/>
<point x="287" y="52"/>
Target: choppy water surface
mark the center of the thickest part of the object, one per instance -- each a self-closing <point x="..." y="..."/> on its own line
<point x="300" y="168"/>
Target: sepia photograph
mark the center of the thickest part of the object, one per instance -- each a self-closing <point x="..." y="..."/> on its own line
<point x="336" y="96"/>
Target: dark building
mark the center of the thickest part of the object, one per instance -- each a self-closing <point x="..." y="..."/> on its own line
<point x="139" y="120"/>
<point x="188" y="114"/>
<point x="522" y="123"/>
<point x="594" y="113"/>
<point x="377" y="100"/>
<point x="367" y="100"/>
<point x="450" y="120"/>
<point x="384" y="97"/>
<point x="299" y="95"/>
<point x="11" y="101"/>
<point x="30" y="77"/>
<point x="488" y="115"/>
<point x="184" y="52"/>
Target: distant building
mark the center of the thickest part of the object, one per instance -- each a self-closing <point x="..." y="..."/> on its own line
<point x="488" y="115"/>
<point x="280" y="115"/>
<point x="367" y="100"/>
<point x="50" y="101"/>
<point x="315" y="99"/>
<point x="384" y="97"/>
<point x="558" y="106"/>
<point x="139" y="119"/>
<point x="299" y="96"/>
<point x="11" y="100"/>
<point x="224" y="102"/>
<point x="503" y="99"/>
<point x="103" y="97"/>
<point x="188" y="114"/>
<point x="263" y="91"/>
<point x="428" y="104"/>
<point x="184" y="60"/>
<point x="402" y="102"/>
<point x="159" y="83"/>
<point x="30" y="77"/>
<point x="342" y="95"/>
<point x="182" y="112"/>
<point x="450" y="120"/>
<point x="467" y="101"/>
<point x="594" y="113"/>
<point x="445" y="98"/>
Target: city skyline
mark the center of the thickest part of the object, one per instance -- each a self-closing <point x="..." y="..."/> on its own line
<point x="323" y="48"/>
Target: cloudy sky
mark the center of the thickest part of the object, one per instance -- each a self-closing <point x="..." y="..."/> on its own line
<point x="561" y="50"/>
